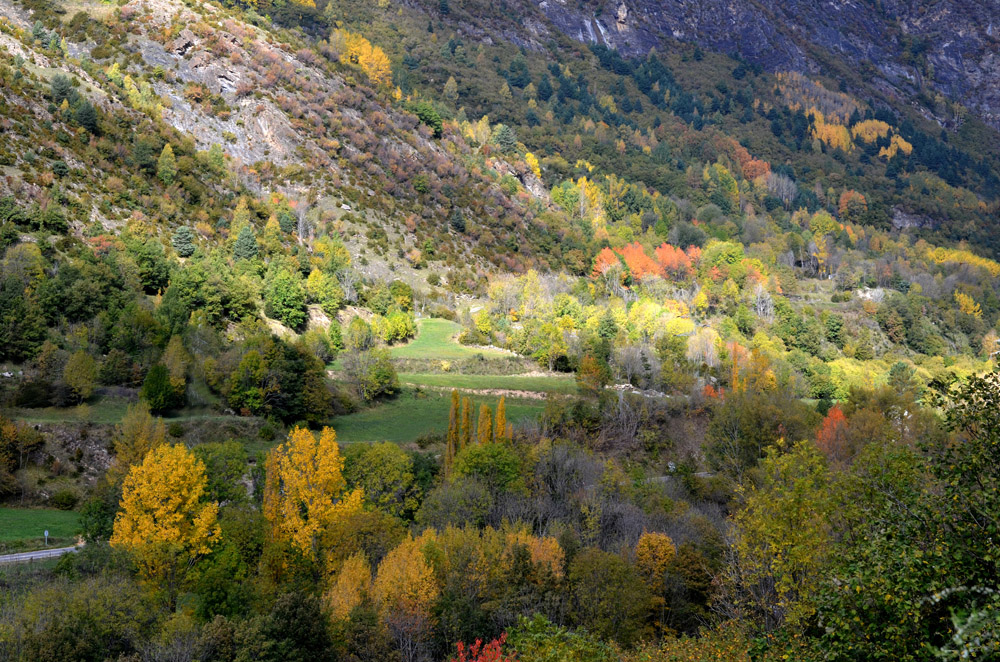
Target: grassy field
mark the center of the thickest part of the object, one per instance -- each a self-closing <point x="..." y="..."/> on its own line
<point x="409" y="417"/>
<point x="435" y="340"/>
<point x="541" y="383"/>
<point x="24" y="528"/>
<point x="107" y="410"/>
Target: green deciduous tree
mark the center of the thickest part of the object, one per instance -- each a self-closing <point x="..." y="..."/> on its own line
<point x="166" y="165"/>
<point x="80" y="374"/>
<point x="284" y="296"/>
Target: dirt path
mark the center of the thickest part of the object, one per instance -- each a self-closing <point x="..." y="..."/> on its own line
<point x="510" y="393"/>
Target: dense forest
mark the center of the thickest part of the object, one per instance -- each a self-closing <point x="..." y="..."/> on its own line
<point x="348" y="331"/>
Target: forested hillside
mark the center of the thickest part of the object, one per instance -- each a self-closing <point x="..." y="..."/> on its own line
<point x="435" y="330"/>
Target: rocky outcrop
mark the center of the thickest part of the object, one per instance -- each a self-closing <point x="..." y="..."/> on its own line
<point x="951" y="45"/>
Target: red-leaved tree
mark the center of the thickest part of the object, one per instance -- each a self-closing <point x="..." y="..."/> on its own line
<point x="477" y="652"/>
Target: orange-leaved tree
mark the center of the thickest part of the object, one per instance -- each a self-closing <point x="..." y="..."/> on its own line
<point x="674" y="262"/>
<point x="164" y="522"/>
<point x="639" y="264"/>
<point x="305" y="490"/>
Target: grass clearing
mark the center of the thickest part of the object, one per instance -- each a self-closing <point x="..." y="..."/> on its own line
<point x="24" y="529"/>
<point x="101" y="410"/>
<point x="108" y="411"/>
<point x="436" y="340"/>
<point x="409" y="416"/>
<point x="564" y="384"/>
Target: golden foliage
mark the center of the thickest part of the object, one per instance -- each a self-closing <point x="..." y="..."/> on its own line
<point x="501" y="430"/>
<point x="545" y="550"/>
<point x="360" y="52"/>
<point x="405" y="582"/>
<point x="800" y="92"/>
<point x="968" y="305"/>
<point x="653" y="555"/>
<point x="896" y="144"/>
<point x="305" y="490"/>
<point x="868" y="131"/>
<point x="832" y="134"/>
<point x="353" y="582"/>
<point x="532" y="162"/>
<point x="941" y="255"/>
<point x="484" y="432"/>
<point x="163" y="522"/>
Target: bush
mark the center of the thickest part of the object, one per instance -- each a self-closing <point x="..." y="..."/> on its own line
<point x="64" y="500"/>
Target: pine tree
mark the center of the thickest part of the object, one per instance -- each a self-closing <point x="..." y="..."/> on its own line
<point x="503" y="135"/>
<point x="166" y="166"/>
<point x="86" y="116"/>
<point x="183" y="241"/>
<point x="484" y="434"/>
<point x="502" y="432"/>
<point x="246" y="245"/>
<point x="466" y="436"/>
<point x="61" y="89"/>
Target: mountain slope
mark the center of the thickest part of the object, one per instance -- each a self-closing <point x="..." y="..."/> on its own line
<point x="950" y="47"/>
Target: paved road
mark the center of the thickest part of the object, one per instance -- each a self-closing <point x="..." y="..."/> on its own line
<point x="35" y="556"/>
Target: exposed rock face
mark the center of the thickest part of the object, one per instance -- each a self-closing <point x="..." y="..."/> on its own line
<point x="904" y="220"/>
<point x="953" y="45"/>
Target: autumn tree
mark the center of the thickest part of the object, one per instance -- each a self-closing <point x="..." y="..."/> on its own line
<point x="352" y="584"/>
<point x="654" y="554"/>
<point x="852" y="207"/>
<point x="305" y="489"/>
<point x="832" y="437"/>
<point x="484" y="432"/>
<point x="453" y="441"/>
<point x="405" y="591"/>
<point x="176" y="359"/>
<point x="466" y="432"/>
<point x="639" y="264"/>
<point x="164" y="522"/>
<point x="358" y="51"/>
<point x="674" y="262"/>
<point x="501" y="431"/>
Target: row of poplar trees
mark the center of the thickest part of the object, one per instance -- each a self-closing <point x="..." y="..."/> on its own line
<point x="460" y="428"/>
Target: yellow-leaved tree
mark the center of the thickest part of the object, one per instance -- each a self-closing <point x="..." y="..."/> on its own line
<point x="484" y="434"/>
<point x="353" y="583"/>
<point x="359" y="51"/>
<point x="164" y="521"/>
<point x="305" y="490"/>
<point x="405" y="590"/>
<point x="501" y="430"/>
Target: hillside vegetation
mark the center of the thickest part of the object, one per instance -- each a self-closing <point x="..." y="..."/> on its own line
<point x="383" y="331"/>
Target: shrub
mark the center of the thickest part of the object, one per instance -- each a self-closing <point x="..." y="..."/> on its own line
<point x="64" y="500"/>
